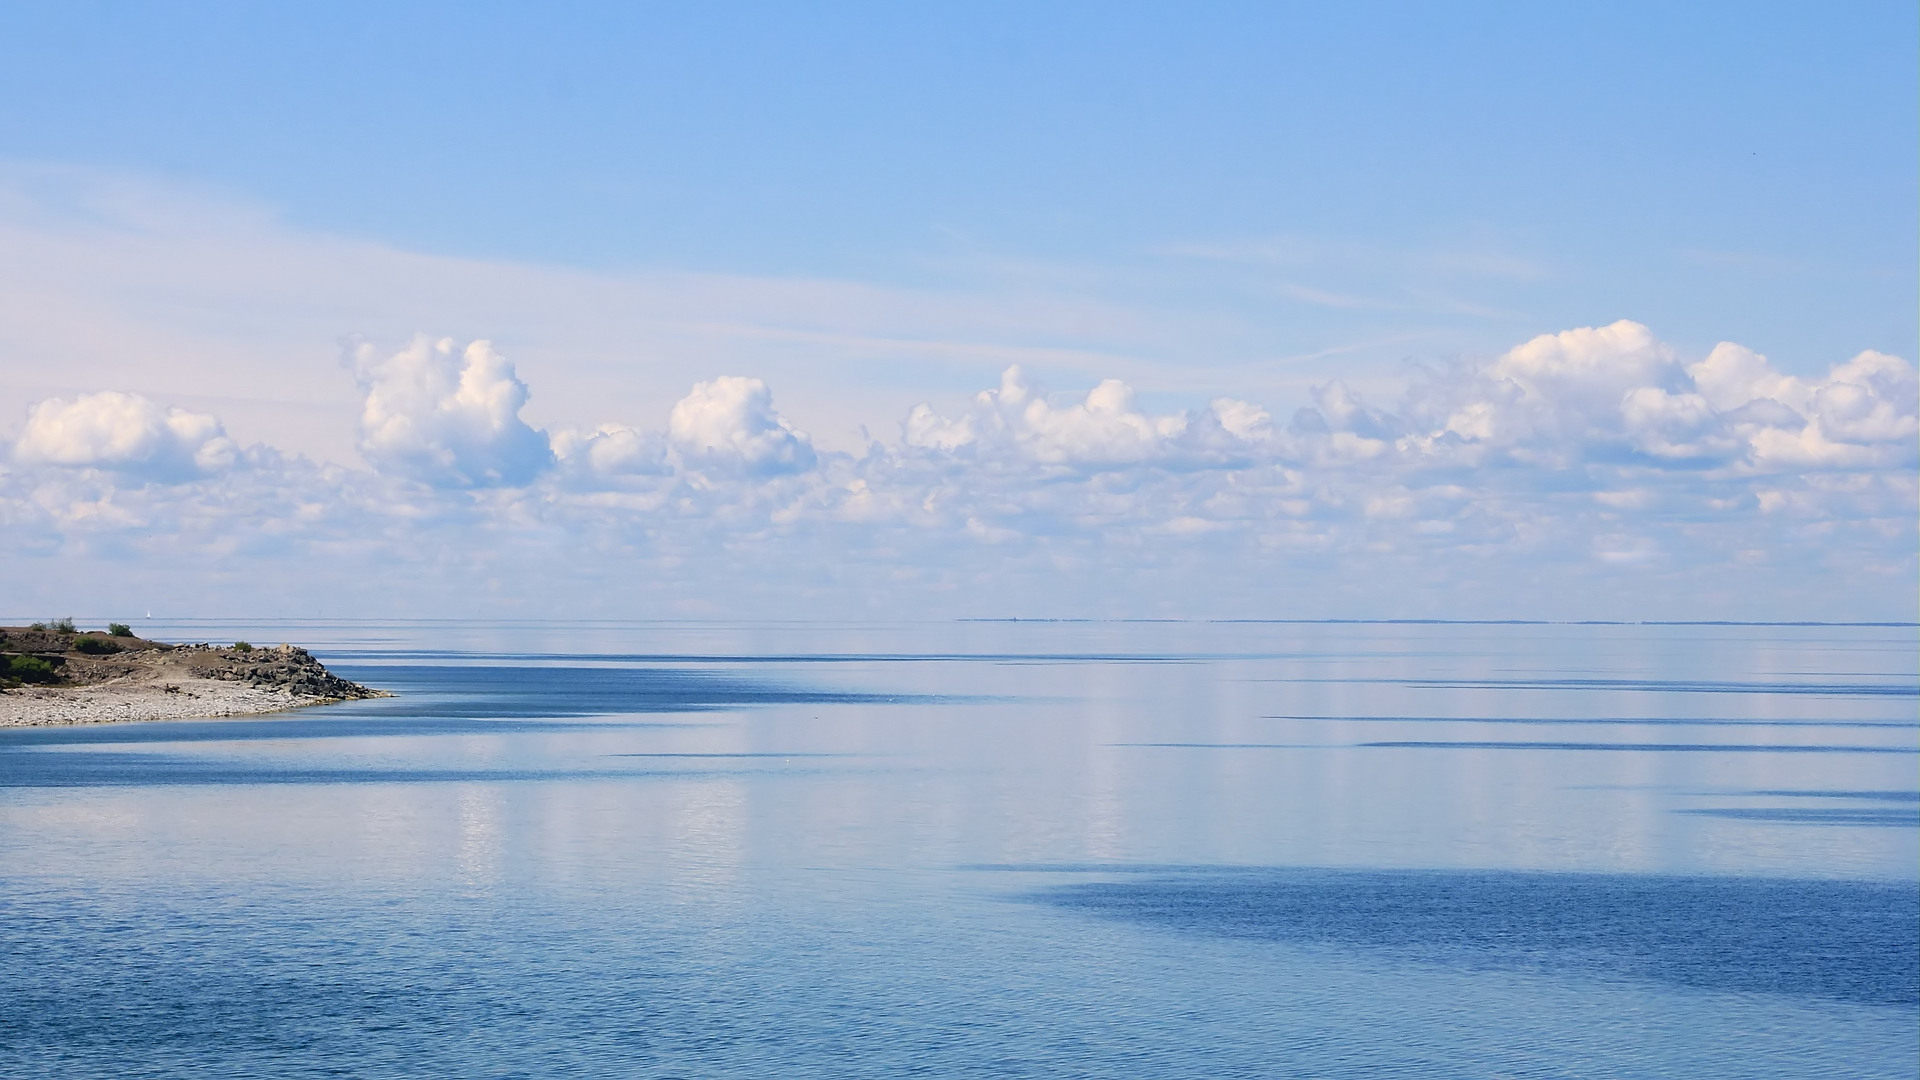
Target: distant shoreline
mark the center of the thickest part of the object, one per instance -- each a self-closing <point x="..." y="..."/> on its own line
<point x="59" y="675"/>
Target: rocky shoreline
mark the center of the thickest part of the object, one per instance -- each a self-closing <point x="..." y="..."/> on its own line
<point x="57" y="675"/>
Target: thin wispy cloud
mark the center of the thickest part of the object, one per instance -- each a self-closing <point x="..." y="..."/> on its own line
<point x="178" y="293"/>
<point x="1302" y="252"/>
<point x="1324" y="298"/>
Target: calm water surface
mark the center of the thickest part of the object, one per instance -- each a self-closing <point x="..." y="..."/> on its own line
<point x="988" y="849"/>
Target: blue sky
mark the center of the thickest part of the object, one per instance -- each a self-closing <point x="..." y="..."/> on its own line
<point x="1738" y="170"/>
<point x="248" y="212"/>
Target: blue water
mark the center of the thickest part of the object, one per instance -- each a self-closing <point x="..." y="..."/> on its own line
<point x="991" y="849"/>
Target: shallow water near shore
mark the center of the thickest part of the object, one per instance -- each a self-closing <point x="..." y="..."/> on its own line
<point x="988" y="849"/>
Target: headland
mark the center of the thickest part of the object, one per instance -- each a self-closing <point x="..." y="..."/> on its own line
<point x="57" y="674"/>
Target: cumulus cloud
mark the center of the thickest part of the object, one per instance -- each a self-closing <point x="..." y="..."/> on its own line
<point x="1556" y="401"/>
<point x="1590" y="362"/>
<point x="1594" y="450"/>
<point x="1862" y="413"/>
<point x="1614" y="395"/>
<point x="1605" y="425"/>
<point x="447" y="416"/>
<point x="609" y="452"/>
<point x="124" y="432"/>
<point x="729" y="425"/>
<point x="1018" y="420"/>
<point x="1675" y="426"/>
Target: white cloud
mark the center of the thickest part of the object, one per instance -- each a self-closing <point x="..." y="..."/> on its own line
<point x="1104" y="429"/>
<point x="126" y="432"/>
<point x="1555" y="401"/>
<point x="1572" y="457"/>
<point x="610" y="451"/>
<point x="446" y="416"/>
<point x="1615" y="395"/>
<point x="1862" y="413"/>
<point x="1243" y="420"/>
<point x="1676" y="426"/>
<point x="1018" y="421"/>
<point x="1732" y="376"/>
<point x="729" y="425"/>
<point x="1563" y="368"/>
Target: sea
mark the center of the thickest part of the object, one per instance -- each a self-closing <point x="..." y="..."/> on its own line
<point x="987" y="849"/>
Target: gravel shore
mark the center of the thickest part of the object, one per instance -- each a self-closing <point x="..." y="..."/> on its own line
<point x="179" y="699"/>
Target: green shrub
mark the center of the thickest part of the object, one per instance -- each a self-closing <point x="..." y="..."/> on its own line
<point x="96" y="646"/>
<point x="27" y="669"/>
<point x="119" y="629"/>
<point x="37" y="626"/>
<point x="241" y="646"/>
<point x="63" y="626"/>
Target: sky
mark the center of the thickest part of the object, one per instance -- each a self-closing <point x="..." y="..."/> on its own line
<point x="892" y="310"/>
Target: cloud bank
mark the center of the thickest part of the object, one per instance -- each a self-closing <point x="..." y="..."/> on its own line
<point x="1593" y="472"/>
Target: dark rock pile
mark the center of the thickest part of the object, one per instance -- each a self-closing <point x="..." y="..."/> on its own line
<point x="287" y="668"/>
